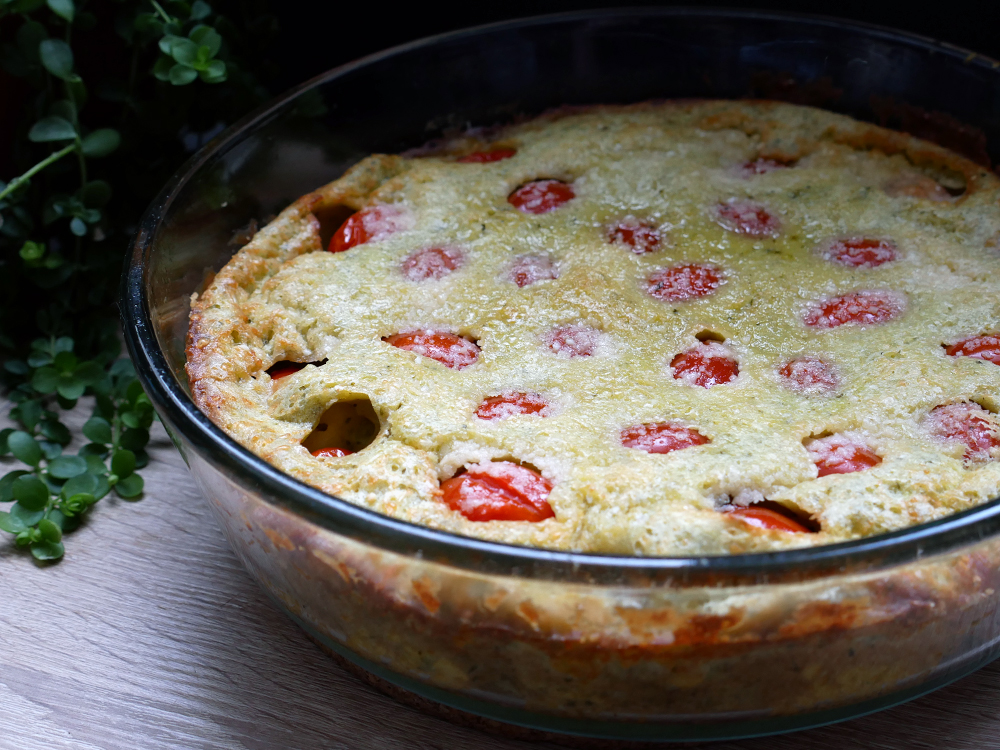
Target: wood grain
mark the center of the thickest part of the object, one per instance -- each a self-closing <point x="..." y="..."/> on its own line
<point x="150" y="635"/>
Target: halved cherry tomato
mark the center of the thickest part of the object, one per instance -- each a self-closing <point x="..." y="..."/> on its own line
<point x="499" y="491"/>
<point x="860" y="252"/>
<point x="640" y="237"/>
<point x="747" y="218"/>
<point x="661" y="437"/>
<point x="541" y="196"/>
<point x="765" y="518"/>
<point x="687" y="281"/>
<point x="431" y="263"/>
<point x="332" y="452"/>
<point x="710" y="363"/>
<point x="284" y="369"/>
<point x="368" y="224"/>
<point x="916" y="185"/>
<point x="527" y="269"/>
<point x="809" y="376"/>
<point x="985" y="347"/>
<point x="449" y="349"/>
<point x="861" y="308"/>
<point x="511" y="404"/>
<point x="761" y="165"/>
<point x="968" y="423"/>
<point x="573" y="341"/>
<point x="840" y="454"/>
<point x="485" y="157"/>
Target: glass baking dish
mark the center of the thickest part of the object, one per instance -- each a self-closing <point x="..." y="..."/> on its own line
<point x="551" y="642"/>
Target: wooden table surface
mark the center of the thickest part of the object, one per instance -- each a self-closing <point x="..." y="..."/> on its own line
<point x="150" y="635"/>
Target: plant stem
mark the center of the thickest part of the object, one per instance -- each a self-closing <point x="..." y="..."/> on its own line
<point x="53" y="157"/>
<point x="163" y="13"/>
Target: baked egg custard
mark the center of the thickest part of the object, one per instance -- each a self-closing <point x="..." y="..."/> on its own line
<point x="673" y="329"/>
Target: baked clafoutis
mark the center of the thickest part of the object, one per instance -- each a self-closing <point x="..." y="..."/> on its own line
<point x="670" y="329"/>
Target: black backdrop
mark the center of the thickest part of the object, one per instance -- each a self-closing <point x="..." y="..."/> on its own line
<point x="316" y="36"/>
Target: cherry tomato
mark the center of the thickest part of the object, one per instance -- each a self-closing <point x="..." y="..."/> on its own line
<point x="861" y="308"/>
<point x="809" y="376"/>
<point x="968" y="423"/>
<point x="639" y="236"/>
<point x="688" y="281"/>
<point x="761" y="166"/>
<point x="707" y="364"/>
<point x="332" y="452"/>
<point x="449" y="349"/>
<point x="916" y="185"/>
<point x="368" y="224"/>
<point x="527" y="269"/>
<point x="573" y="341"/>
<point x="541" y="196"/>
<point x="747" y="218"/>
<point x="860" y="252"/>
<point x="661" y="437"/>
<point x="432" y="263"/>
<point x="985" y="347"/>
<point x="840" y="454"/>
<point x="499" y="491"/>
<point x="284" y="369"/>
<point x="765" y="518"/>
<point x="484" y="157"/>
<point x="511" y="404"/>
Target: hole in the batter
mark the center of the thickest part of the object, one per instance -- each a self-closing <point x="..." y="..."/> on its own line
<point x="768" y="514"/>
<point x="350" y="425"/>
<point x="330" y="219"/>
<point x="284" y="368"/>
<point x="710" y="336"/>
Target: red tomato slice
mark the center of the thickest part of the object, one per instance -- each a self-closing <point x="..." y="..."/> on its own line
<point x="639" y="236"/>
<point x="449" y="349"/>
<point x="432" y="263"/>
<point x="916" y="185"/>
<point x="661" y="437"/>
<point x="688" y="281"/>
<point x="706" y="365"/>
<point x="511" y="404"/>
<point x="860" y="252"/>
<point x="573" y="341"/>
<point x="860" y="308"/>
<point x="765" y="518"/>
<point x="747" y="218"/>
<point x="485" y="157"/>
<point x="809" y="376"/>
<point x="541" y="196"/>
<point x="985" y="347"/>
<point x="528" y="269"/>
<point x="332" y="452"/>
<point x="367" y="225"/>
<point x="499" y="491"/>
<point x="840" y="454"/>
<point x="284" y="369"/>
<point x="761" y="166"/>
<point x="968" y="423"/>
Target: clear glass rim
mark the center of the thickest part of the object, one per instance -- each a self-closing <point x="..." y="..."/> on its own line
<point x="179" y="411"/>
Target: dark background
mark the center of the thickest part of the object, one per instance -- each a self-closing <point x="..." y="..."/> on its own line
<point x="316" y="36"/>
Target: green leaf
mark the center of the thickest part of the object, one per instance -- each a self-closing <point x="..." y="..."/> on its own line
<point x="130" y="486"/>
<point x="57" y="57"/>
<point x="123" y="463"/>
<point x="131" y="419"/>
<point x="56" y="431"/>
<point x="77" y="227"/>
<point x="200" y="10"/>
<point x="80" y="484"/>
<point x="16" y="367"/>
<point x="95" y="194"/>
<point x="51" y="129"/>
<point x="133" y="439"/>
<point x="62" y="344"/>
<point x="63" y="8"/>
<point x="161" y="69"/>
<point x="50" y="531"/>
<point x="32" y="250"/>
<point x="29" y="37"/>
<point x="97" y="430"/>
<point x="29" y="413"/>
<point x="206" y="36"/>
<point x="64" y="361"/>
<point x="47" y="550"/>
<point x="7" y="482"/>
<point x="25" y="516"/>
<point x="39" y="359"/>
<point x="214" y="73"/>
<point x="89" y="373"/>
<point x="45" y="379"/>
<point x="4" y="433"/>
<point x="101" y="143"/>
<point x="11" y="524"/>
<point x="24" y="447"/>
<point x="181" y="75"/>
<point x="66" y="467"/>
<point x="51" y="450"/>
<point x="31" y="492"/>
<point x="77" y="91"/>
